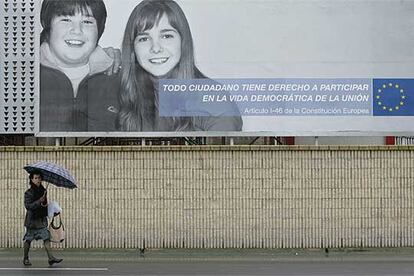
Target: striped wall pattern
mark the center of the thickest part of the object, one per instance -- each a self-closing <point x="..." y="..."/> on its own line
<point x="221" y="196"/>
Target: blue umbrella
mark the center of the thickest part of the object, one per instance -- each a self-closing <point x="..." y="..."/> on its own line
<point x="53" y="173"/>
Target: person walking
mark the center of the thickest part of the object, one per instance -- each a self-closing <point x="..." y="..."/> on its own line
<point x="35" y="202"/>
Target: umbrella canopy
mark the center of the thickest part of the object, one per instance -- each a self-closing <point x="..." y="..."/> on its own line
<point x="53" y="173"/>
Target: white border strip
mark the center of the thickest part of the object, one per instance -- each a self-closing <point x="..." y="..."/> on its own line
<point x="224" y="134"/>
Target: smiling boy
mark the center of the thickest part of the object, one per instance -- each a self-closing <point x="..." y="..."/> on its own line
<point x="75" y="92"/>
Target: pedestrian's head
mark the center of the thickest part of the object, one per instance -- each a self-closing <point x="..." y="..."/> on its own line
<point x="35" y="178"/>
<point x="72" y="29"/>
<point x="158" y="38"/>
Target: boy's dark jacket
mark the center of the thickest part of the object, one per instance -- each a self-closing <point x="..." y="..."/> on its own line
<point x="95" y="107"/>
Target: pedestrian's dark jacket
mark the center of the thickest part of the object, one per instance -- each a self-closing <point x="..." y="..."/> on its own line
<point x="36" y="214"/>
<point x="95" y="107"/>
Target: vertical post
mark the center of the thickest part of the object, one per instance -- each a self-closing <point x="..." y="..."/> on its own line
<point x="142" y="141"/>
<point x="57" y="142"/>
<point x="290" y="140"/>
<point x="231" y="141"/>
<point x="316" y="141"/>
<point x="390" y="140"/>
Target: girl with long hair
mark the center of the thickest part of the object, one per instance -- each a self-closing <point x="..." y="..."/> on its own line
<point x="157" y="45"/>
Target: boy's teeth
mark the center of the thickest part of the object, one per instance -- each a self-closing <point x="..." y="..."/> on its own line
<point x="75" y="42"/>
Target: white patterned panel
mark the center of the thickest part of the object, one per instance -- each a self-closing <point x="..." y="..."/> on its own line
<point x="17" y="66"/>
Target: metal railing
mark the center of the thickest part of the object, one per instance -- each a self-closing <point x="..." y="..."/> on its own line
<point x="404" y="140"/>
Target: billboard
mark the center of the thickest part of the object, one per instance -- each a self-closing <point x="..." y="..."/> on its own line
<point x="226" y="68"/>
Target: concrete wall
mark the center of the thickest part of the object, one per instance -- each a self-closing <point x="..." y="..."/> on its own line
<point x="221" y="196"/>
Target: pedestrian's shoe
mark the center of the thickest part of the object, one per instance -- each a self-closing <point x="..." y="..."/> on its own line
<point x="26" y="262"/>
<point x="54" y="261"/>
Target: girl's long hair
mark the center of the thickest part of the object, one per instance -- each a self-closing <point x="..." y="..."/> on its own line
<point x="139" y="97"/>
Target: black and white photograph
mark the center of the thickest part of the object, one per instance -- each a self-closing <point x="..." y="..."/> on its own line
<point x="102" y="63"/>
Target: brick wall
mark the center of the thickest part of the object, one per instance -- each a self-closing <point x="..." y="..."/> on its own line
<point x="221" y="196"/>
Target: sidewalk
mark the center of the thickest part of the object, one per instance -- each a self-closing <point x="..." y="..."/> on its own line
<point x="217" y="255"/>
<point x="190" y="262"/>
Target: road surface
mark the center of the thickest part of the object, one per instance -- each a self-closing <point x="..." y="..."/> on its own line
<point x="213" y="262"/>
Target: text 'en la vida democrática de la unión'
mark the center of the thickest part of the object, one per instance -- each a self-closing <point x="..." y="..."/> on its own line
<point x="285" y="98"/>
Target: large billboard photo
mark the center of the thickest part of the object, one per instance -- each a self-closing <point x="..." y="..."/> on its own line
<point x="225" y="68"/>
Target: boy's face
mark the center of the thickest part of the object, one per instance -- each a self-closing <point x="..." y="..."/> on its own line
<point x="73" y="39"/>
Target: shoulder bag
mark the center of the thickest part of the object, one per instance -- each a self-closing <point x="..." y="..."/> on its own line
<point x="57" y="230"/>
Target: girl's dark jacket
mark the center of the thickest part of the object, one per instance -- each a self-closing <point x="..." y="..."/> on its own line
<point x="36" y="214"/>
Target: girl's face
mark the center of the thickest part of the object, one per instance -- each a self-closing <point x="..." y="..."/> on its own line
<point x="73" y="39"/>
<point x="158" y="50"/>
